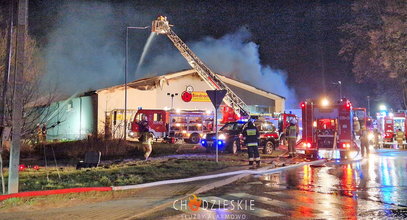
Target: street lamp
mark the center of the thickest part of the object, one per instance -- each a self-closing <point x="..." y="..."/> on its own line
<point x="339" y="83"/>
<point x="172" y="95"/>
<point x="368" y="105"/>
<point x="382" y="107"/>
<point x="126" y="74"/>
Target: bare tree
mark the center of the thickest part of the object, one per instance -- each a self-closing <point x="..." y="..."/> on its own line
<point x="35" y="97"/>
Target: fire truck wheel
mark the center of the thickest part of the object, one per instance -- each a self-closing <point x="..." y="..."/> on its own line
<point x="194" y="139"/>
<point x="268" y="147"/>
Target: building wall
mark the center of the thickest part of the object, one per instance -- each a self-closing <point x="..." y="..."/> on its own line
<point x="71" y="119"/>
<point x="113" y="99"/>
<point x="180" y="85"/>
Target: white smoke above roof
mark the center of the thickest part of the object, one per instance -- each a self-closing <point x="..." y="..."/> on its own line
<point x="231" y="55"/>
<point x="86" y="52"/>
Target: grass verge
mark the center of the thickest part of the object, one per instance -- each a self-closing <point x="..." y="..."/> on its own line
<point x="122" y="174"/>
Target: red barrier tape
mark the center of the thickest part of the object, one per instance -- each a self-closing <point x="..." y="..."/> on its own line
<point x="53" y="192"/>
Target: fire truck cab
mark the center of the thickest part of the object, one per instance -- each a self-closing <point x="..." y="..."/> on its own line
<point x="328" y="130"/>
<point x="188" y="125"/>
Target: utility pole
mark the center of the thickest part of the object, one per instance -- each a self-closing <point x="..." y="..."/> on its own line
<point x="6" y="78"/>
<point x="17" y="97"/>
<point x="368" y="105"/>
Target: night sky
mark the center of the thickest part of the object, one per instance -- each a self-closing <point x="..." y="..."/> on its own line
<point x="300" y="38"/>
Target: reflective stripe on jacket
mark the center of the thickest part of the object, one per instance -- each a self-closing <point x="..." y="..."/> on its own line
<point x="292" y="131"/>
<point x="251" y="136"/>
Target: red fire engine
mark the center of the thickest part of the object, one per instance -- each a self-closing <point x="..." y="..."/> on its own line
<point x="388" y="124"/>
<point x="280" y="121"/>
<point x="188" y="125"/>
<point x="328" y="130"/>
<point x="284" y="120"/>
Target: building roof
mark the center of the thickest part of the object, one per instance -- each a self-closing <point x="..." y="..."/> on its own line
<point x="155" y="81"/>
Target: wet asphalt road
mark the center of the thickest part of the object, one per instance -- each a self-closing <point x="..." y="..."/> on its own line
<point x="372" y="188"/>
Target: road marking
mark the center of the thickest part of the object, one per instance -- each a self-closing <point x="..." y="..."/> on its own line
<point x="274" y="193"/>
<point x="255" y="183"/>
<point x="264" y="200"/>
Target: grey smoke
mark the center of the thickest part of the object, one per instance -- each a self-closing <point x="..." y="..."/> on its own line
<point x="86" y="52"/>
<point x="232" y="55"/>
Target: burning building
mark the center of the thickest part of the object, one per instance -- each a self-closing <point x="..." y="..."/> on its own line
<point x="102" y="111"/>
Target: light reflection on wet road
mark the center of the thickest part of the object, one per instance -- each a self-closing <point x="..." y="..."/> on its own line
<point x="375" y="187"/>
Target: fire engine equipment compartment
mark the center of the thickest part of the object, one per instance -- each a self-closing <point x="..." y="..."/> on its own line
<point x="188" y="125"/>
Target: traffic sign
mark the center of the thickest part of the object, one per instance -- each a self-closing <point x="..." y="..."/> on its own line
<point x="216" y="97"/>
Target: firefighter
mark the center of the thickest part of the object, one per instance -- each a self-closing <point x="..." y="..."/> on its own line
<point x="42" y="133"/>
<point x="143" y="124"/>
<point x="356" y="126"/>
<point x="291" y="134"/>
<point x="39" y="134"/>
<point x="364" y="141"/>
<point x="376" y="135"/>
<point x="400" y="138"/>
<point x="251" y="139"/>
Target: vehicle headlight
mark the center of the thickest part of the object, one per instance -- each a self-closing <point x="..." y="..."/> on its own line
<point x="222" y="137"/>
<point x="370" y="136"/>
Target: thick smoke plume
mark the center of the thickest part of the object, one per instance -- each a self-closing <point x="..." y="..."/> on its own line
<point x="86" y="51"/>
<point x="231" y="55"/>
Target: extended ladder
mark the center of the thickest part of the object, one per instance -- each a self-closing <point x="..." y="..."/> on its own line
<point x="161" y="26"/>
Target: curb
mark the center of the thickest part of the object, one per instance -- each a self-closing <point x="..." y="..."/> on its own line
<point x="54" y="192"/>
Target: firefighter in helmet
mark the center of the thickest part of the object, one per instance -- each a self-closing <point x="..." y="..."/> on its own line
<point x="400" y="138"/>
<point x="291" y="134"/>
<point x="364" y="141"/>
<point x="41" y="133"/>
<point x="356" y="126"/>
<point x="251" y="139"/>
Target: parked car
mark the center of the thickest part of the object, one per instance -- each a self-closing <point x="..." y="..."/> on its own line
<point x="231" y="138"/>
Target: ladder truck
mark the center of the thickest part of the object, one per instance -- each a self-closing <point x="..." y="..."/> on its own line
<point x="162" y="26"/>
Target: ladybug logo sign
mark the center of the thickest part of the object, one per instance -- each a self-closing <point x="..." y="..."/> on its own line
<point x="187" y="94"/>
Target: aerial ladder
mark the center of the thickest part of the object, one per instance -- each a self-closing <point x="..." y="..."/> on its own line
<point x="161" y="26"/>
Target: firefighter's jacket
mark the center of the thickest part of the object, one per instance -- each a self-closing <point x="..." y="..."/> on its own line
<point x="400" y="135"/>
<point x="143" y="126"/>
<point x="292" y="131"/>
<point x="251" y="136"/>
